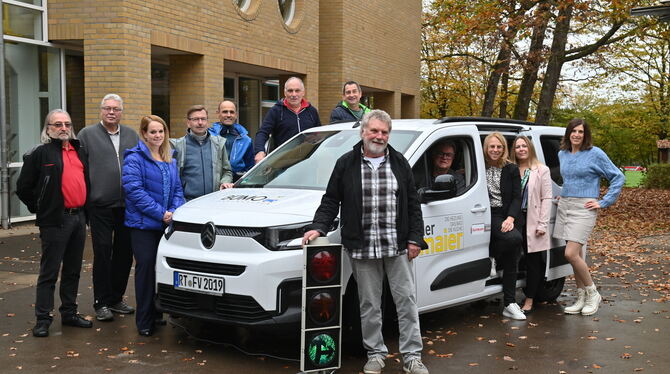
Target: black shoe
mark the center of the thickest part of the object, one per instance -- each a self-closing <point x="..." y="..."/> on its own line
<point x="41" y="329"/>
<point x="145" y="332"/>
<point x="104" y="314"/>
<point x="160" y="322"/>
<point x="76" y="320"/>
<point x="122" y="308"/>
<point x="528" y="311"/>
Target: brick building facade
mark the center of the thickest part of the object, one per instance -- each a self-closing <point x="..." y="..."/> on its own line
<point x="164" y="56"/>
<point x="375" y="42"/>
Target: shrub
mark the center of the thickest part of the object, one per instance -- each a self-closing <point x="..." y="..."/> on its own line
<point x="658" y="176"/>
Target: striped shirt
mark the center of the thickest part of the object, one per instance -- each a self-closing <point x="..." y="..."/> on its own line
<point x="380" y="189"/>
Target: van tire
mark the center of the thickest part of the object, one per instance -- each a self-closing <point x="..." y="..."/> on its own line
<point x="550" y="290"/>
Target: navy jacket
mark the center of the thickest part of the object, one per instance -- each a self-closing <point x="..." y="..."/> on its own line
<point x="143" y="184"/>
<point x="282" y="123"/>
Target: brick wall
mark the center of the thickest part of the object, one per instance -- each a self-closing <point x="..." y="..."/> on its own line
<point x="375" y="42"/>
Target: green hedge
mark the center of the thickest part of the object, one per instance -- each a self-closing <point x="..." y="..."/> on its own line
<point x="658" y="176"/>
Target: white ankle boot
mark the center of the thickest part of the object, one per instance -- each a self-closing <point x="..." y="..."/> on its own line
<point x="592" y="301"/>
<point x="577" y="307"/>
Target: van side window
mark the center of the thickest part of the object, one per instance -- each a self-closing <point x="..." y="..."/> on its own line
<point x="455" y="153"/>
<point x="550" y="147"/>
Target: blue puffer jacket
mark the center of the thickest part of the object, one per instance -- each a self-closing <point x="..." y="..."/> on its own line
<point x="143" y="182"/>
<point x="242" y="155"/>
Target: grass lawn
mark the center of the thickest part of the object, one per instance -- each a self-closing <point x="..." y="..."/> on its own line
<point x="633" y="178"/>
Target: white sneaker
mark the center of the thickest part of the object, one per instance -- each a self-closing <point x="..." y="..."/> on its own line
<point x="374" y="365"/>
<point x="415" y="367"/>
<point x="493" y="267"/>
<point x="514" y="312"/>
<point x="577" y="307"/>
<point x="592" y="302"/>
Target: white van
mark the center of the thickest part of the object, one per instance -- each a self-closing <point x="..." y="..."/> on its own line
<point x="234" y="256"/>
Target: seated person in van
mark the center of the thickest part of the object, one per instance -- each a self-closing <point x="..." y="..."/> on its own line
<point x="443" y="154"/>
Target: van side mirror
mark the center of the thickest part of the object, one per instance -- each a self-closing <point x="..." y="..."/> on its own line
<point x="444" y="187"/>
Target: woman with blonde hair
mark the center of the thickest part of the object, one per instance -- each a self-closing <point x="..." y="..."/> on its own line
<point x="535" y="208"/>
<point x="504" y="186"/>
<point x="153" y="192"/>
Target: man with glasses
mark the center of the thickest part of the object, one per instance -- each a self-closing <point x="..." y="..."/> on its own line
<point x="238" y="143"/>
<point x="201" y="157"/>
<point x="105" y="143"/>
<point x="52" y="184"/>
<point x="443" y="154"/>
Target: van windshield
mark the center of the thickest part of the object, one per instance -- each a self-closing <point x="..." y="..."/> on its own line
<point x="306" y="161"/>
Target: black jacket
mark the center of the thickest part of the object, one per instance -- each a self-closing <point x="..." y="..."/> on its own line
<point x="39" y="183"/>
<point x="345" y="191"/>
<point x="510" y="188"/>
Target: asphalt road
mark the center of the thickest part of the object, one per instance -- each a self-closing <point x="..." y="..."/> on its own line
<point x="630" y="333"/>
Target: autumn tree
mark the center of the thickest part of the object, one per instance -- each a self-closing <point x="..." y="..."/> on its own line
<point x="506" y="44"/>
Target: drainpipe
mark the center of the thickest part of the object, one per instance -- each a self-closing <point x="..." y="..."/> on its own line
<point x="4" y="152"/>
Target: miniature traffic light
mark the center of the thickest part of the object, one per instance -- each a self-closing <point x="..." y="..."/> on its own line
<point x="321" y="308"/>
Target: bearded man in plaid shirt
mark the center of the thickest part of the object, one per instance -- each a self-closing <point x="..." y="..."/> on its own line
<point x="382" y="231"/>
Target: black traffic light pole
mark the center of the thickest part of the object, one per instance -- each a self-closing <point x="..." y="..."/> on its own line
<point x="321" y="322"/>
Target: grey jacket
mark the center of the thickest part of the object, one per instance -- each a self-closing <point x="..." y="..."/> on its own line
<point x="105" y="164"/>
<point x="221" y="171"/>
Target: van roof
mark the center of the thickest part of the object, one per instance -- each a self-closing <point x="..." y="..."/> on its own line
<point x="482" y="123"/>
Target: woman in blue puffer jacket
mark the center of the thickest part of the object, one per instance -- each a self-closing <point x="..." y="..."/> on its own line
<point x="153" y="192"/>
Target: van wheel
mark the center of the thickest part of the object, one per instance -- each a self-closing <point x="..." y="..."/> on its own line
<point x="551" y="290"/>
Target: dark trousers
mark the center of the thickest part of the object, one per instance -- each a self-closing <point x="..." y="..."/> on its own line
<point x="535" y="267"/>
<point x="60" y="244"/>
<point x="112" y="255"/>
<point x="505" y="247"/>
<point x="145" y="246"/>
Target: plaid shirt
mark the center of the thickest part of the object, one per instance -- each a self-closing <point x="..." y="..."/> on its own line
<point x="380" y="188"/>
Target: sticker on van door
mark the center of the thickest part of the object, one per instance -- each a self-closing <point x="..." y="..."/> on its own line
<point x="443" y="234"/>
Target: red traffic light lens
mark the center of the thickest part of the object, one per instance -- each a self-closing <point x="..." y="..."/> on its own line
<point x="323" y="266"/>
<point x="322" y="308"/>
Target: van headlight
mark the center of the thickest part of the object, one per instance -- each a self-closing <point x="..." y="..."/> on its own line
<point x="281" y="238"/>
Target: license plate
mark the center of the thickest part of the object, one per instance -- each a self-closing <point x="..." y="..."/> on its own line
<point x="198" y="283"/>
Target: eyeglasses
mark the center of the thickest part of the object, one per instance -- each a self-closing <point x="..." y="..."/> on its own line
<point x="111" y="109"/>
<point x="198" y="119"/>
<point x="227" y="111"/>
<point x="61" y="124"/>
<point x="448" y="155"/>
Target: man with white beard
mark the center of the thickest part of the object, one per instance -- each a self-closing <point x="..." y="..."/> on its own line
<point x="382" y="231"/>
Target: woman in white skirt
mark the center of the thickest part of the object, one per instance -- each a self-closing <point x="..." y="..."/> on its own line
<point x="582" y="166"/>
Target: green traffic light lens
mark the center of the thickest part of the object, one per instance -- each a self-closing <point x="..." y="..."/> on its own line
<point x="322" y="350"/>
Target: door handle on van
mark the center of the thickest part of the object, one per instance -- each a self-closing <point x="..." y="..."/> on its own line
<point x="478" y="209"/>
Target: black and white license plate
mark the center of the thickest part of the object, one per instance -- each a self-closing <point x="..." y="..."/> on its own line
<point x="198" y="283"/>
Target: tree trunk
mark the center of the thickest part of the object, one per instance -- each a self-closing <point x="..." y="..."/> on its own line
<point x="534" y="59"/>
<point x="555" y="65"/>
<point x="504" y="95"/>
<point x="501" y="66"/>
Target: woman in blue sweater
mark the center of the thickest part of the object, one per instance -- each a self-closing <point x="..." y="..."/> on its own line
<point x="582" y="166"/>
<point x="153" y="192"/>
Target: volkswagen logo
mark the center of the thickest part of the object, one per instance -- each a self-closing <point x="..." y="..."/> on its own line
<point x="208" y="235"/>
